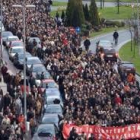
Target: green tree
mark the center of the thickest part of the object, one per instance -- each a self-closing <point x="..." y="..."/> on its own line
<point x="94" y="16"/>
<point x="63" y="15"/>
<point x="86" y="13"/>
<point x="74" y="13"/>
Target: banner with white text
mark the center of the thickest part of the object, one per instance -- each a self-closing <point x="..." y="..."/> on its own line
<point x="104" y="133"/>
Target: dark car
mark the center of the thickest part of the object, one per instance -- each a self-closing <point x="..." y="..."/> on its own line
<point x="126" y="67"/>
<point x="19" y="59"/>
<point x="106" y="51"/>
<point x="46" y="132"/>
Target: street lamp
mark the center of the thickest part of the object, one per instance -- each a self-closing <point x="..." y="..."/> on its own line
<point x="24" y="41"/>
<point x="138" y="25"/>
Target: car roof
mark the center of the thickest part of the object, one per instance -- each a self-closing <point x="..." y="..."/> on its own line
<point x="38" y="65"/>
<point x="45" y="126"/>
<point x="17" y="47"/>
<point x="48" y="80"/>
<point x="53" y="105"/>
<point x="32" y="57"/>
<point x="7" y="32"/>
<point x="16" y="41"/>
<point x="126" y="62"/>
<point x="50" y="115"/>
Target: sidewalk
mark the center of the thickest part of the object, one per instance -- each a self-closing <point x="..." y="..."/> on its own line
<point x="3" y="86"/>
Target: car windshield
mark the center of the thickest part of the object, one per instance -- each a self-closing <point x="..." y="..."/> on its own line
<point x="12" y="39"/>
<point x="128" y="65"/>
<point x="50" y="119"/>
<point x="33" y="61"/>
<point x="17" y="50"/>
<point x="53" y="109"/>
<point x="21" y="56"/>
<point x="17" y="44"/>
<point x="47" y="130"/>
<point x="6" y="34"/>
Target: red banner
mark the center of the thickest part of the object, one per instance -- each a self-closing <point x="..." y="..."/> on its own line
<point x="104" y="133"/>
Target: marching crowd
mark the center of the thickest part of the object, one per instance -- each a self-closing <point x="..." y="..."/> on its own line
<point x="92" y="90"/>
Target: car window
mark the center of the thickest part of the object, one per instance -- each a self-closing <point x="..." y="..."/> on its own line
<point x="38" y="69"/>
<point x="17" y="44"/>
<point x="46" y="130"/>
<point x="53" y="109"/>
<point x="5" y="34"/>
<point x="51" y="119"/>
<point x="12" y="39"/>
<point x="17" y="50"/>
<point x="33" y="61"/>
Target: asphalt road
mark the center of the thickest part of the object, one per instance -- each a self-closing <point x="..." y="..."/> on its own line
<point x="124" y="36"/>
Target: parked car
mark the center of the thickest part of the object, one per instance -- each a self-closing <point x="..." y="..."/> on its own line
<point x="38" y="71"/>
<point x="5" y="35"/>
<point x="53" y="109"/>
<point x="15" y="50"/>
<point x="16" y="43"/>
<point x="53" y="99"/>
<point x="51" y="119"/>
<point x="106" y="51"/>
<point x="19" y="59"/>
<point x="32" y="61"/>
<point x="9" y="39"/>
<point x="126" y="67"/>
<point x="46" y="84"/>
<point x="52" y="91"/>
<point x="46" y="132"/>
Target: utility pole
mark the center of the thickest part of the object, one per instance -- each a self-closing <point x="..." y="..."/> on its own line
<point x="23" y="7"/>
<point x="1" y="5"/>
<point x="138" y="26"/>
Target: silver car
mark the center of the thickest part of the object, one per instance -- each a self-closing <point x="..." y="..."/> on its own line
<point x="5" y="35"/>
<point x="46" y="132"/>
<point x="53" y="109"/>
<point x="51" y="119"/>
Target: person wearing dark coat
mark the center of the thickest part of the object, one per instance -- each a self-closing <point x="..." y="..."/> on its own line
<point x="3" y="135"/>
<point x="73" y="134"/>
<point x="1" y="103"/>
<point x="7" y="100"/>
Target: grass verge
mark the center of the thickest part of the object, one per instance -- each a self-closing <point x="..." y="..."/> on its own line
<point x="53" y="13"/>
<point x="133" y="56"/>
<point x="111" y="13"/>
<point x="105" y="30"/>
<point x="57" y="3"/>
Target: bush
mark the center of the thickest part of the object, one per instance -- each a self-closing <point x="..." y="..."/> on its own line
<point x="110" y="23"/>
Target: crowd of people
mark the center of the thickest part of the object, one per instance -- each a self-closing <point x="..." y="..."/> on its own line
<point x="92" y="89"/>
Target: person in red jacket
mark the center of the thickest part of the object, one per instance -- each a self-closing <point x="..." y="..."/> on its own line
<point x="118" y="100"/>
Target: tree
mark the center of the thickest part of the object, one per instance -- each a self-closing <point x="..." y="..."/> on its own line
<point x="94" y="17"/>
<point x="74" y="13"/>
<point x="63" y="15"/>
<point x="86" y="13"/>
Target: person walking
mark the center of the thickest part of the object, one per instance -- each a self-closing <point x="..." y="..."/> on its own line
<point x="87" y="44"/>
<point x="115" y="37"/>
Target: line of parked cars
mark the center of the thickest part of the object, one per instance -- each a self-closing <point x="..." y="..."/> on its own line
<point x="52" y="111"/>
